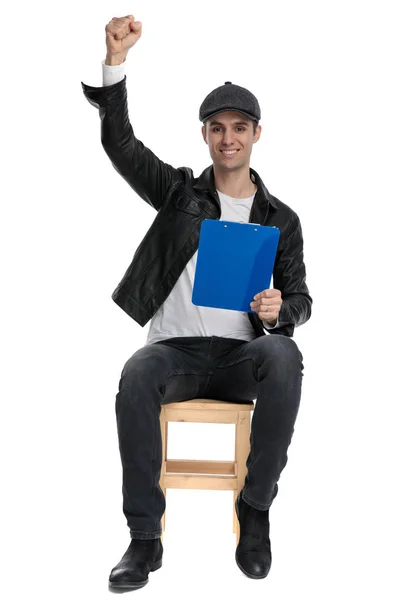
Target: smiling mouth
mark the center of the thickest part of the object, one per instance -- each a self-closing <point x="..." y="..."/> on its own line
<point x="229" y="152"/>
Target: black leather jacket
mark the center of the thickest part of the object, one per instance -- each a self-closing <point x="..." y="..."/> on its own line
<point x="182" y="202"/>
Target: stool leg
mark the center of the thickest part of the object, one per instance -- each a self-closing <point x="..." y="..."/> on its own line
<point x="242" y="450"/>
<point x="164" y="439"/>
<point x="235" y="521"/>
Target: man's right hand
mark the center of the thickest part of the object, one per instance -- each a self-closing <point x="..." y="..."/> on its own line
<point x="121" y="34"/>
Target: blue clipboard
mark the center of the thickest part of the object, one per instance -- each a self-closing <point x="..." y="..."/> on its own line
<point x="235" y="261"/>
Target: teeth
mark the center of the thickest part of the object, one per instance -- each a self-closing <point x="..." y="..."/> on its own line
<point x="229" y="151"/>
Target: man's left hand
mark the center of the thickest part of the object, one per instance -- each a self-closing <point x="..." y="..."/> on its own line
<point x="267" y="305"/>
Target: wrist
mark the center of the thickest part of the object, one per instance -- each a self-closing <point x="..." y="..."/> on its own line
<point x="114" y="60"/>
<point x="272" y="323"/>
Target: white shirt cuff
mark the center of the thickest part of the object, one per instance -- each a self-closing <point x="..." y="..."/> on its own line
<point x="112" y="73"/>
<point x="269" y="326"/>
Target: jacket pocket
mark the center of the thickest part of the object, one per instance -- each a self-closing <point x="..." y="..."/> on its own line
<point x="187" y="204"/>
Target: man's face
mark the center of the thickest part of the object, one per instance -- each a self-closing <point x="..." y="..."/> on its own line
<point x="230" y="130"/>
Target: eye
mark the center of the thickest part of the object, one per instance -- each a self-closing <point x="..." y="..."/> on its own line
<point x="242" y="128"/>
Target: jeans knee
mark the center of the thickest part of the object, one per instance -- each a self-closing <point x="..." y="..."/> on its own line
<point x="280" y="348"/>
<point x="147" y="366"/>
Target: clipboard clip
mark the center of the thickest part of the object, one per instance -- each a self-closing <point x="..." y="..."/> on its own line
<point x="247" y="223"/>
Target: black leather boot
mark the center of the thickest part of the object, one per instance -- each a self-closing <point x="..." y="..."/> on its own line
<point x="133" y="569"/>
<point x="253" y="553"/>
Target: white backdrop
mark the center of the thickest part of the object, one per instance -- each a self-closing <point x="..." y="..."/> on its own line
<point x="326" y="77"/>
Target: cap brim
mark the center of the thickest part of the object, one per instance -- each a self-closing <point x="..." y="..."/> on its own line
<point x="229" y="109"/>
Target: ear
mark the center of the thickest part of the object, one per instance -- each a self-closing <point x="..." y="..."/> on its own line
<point x="257" y="134"/>
<point x="203" y="131"/>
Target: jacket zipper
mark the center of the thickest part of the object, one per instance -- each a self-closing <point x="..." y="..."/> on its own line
<point x="218" y="202"/>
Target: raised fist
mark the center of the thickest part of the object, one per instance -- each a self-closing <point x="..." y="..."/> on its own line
<point x="121" y="34"/>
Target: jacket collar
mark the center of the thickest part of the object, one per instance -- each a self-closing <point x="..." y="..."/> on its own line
<point x="206" y="181"/>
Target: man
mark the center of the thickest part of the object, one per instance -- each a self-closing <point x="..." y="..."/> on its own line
<point x="194" y="351"/>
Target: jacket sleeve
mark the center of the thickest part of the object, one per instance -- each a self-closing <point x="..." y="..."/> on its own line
<point x="290" y="278"/>
<point x="146" y="174"/>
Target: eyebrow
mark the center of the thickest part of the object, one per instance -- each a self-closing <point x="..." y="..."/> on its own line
<point x="234" y="123"/>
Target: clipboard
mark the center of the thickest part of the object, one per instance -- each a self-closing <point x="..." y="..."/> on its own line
<point x="235" y="262"/>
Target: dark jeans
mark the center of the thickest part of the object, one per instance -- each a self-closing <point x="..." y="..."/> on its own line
<point x="267" y="370"/>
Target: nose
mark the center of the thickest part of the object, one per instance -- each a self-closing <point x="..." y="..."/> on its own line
<point x="228" y="137"/>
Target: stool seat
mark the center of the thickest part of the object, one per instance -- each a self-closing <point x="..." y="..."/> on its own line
<point x="207" y="474"/>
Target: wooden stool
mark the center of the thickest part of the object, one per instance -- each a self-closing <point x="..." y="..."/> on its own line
<point x="207" y="474"/>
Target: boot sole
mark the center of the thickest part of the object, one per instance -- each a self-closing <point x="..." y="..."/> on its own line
<point x="251" y="575"/>
<point x="133" y="585"/>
